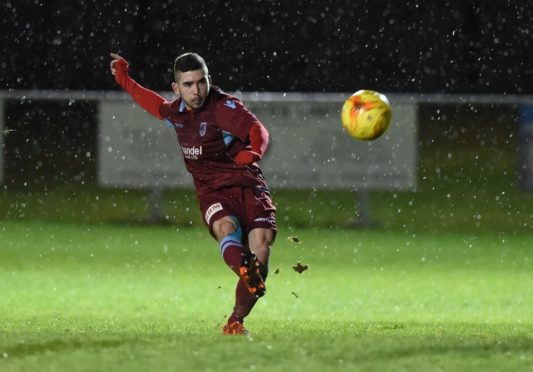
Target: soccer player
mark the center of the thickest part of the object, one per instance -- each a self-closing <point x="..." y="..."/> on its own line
<point x="221" y="141"/>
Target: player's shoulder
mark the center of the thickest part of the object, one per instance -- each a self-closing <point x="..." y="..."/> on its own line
<point x="224" y="100"/>
<point x="172" y="104"/>
<point x="176" y="103"/>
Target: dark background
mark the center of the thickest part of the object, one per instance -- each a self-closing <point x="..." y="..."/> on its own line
<point x="325" y="46"/>
<point x="308" y="46"/>
<point x="468" y="154"/>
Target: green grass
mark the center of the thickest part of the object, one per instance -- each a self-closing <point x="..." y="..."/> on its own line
<point x="107" y="297"/>
<point x="440" y="282"/>
<point x="455" y="200"/>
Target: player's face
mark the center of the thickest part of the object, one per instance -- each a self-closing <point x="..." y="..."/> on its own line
<point x="193" y="87"/>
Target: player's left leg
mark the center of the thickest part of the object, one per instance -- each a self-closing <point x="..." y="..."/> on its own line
<point x="228" y="232"/>
<point x="258" y="217"/>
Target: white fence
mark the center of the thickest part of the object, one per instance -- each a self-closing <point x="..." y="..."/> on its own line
<point x="308" y="147"/>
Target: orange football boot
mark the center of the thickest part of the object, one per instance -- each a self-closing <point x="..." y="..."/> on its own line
<point x="251" y="274"/>
<point x="235" y="329"/>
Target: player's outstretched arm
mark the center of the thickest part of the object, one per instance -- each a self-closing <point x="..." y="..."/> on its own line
<point x="146" y="98"/>
<point x="259" y="137"/>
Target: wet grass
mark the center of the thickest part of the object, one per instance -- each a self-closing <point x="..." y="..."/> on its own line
<point x="440" y="279"/>
<point x="108" y="297"/>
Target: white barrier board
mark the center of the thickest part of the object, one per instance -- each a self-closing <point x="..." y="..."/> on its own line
<point x="137" y="150"/>
<point x="308" y="148"/>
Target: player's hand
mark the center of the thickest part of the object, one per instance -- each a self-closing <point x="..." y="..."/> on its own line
<point x="246" y="157"/>
<point x="119" y="66"/>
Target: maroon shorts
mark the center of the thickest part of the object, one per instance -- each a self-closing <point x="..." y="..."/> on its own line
<point x="253" y="208"/>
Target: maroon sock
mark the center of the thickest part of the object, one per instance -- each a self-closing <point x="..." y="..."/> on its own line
<point x="231" y="250"/>
<point x="244" y="302"/>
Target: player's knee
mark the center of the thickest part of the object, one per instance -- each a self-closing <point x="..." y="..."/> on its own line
<point x="228" y="226"/>
<point x="262" y="251"/>
<point x="237" y="229"/>
<point x="263" y="240"/>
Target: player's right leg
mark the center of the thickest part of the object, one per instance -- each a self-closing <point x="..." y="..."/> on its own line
<point x="250" y="273"/>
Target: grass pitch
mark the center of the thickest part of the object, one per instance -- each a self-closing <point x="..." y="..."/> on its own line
<point x="93" y="298"/>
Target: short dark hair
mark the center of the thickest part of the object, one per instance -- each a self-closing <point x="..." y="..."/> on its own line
<point x="189" y="62"/>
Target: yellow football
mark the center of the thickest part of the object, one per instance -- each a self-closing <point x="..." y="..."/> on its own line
<point x="366" y="114"/>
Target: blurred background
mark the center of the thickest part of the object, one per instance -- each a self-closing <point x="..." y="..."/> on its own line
<point x="315" y="46"/>
<point x="468" y="164"/>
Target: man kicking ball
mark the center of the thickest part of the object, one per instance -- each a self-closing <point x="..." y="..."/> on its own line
<point x="221" y="141"/>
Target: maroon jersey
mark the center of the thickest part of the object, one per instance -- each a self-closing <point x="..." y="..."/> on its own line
<point x="210" y="137"/>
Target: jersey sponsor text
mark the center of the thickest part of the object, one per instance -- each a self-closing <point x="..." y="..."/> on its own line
<point x="192" y="152"/>
<point x="211" y="211"/>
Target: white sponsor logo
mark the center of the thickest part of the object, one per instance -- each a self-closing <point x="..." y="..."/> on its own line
<point x="192" y="152"/>
<point x="264" y="219"/>
<point x="211" y="211"/>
